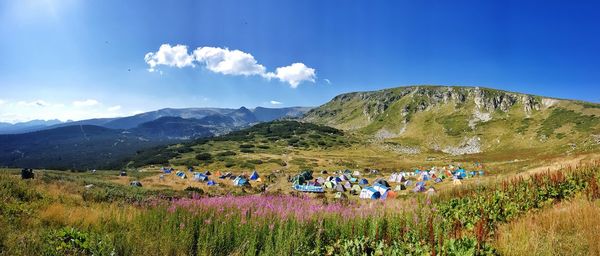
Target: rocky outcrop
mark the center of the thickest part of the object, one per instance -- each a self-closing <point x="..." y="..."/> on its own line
<point x="469" y="146"/>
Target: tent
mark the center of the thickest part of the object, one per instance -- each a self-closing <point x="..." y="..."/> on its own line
<point x="431" y="191"/>
<point x="211" y="183"/>
<point x="200" y="177"/>
<point x="347" y="185"/>
<point x="381" y="188"/>
<point x="123" y="173"/>
<point x="218" y="174"/>
<point x="343" y="177"/>
<point x="240" y="181"/>
<point x="356" y="173"/>
<point x="393" y="177"/>
<point x="400" y="178"/>
<point x="254" y="175"/>
<point x="320" y="180"/>
<point x="400" y="187"/>
<point x="340" y="195"/>
<point x="226" y="175"/>
<point x="181" y="174"/>
<point x="323" y="172"/>
<point x="382" y="182"/>
<point x="355" y="190"/>
<point x="190" y="169"/>
<point x="166" y="170"/>
<point x="347" y="171"/>
<point x="328" y="184"/>
<point x="369" y="193"/>
<point x="438" y="180"/>
<point x="420" y="183"/>
<point x="363" y="182"/>
<point x="135" y="183"/>
<point x="207" y="173"/>
<point x="419" y="188"/>
<point x="302" y="177"/>
<point x="309" y="188"/>
<point x="408" y="183"/>
<point x="27" y="174"/>
<point x="389" y="194"/>
<point x="340" y="188"/>
<point x="337" y="180"/>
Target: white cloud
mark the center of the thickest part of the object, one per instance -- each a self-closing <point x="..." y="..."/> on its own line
<point x="227" y="62"/>
<point x="176" y="56"/>
<point x="35" y="103"/>
<point x="327" y="81"/>
<point x="2" y="102"/>
<point x="114" y="108"/>
<point x="294" y="74"/>
<point x="274" y="102"/>
<point x="85" y="103"/>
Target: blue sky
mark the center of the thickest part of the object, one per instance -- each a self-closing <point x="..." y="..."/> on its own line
<point x="72" y="59"/>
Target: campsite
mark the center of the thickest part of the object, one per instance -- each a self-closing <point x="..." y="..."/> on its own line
<point x="307" y="127"/>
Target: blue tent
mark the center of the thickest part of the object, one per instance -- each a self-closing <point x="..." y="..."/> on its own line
<point x="420" y="183"/>
<point x="381" y="188"/>
<point x="211" y="183"/>
<point x="254" y="175"/>
<point x="337" y="179"/>
<point x="363" y="182"/>
<point x="181" y="174"/>
<point x="438" y="180"/>
<point x="419" y="188"/>
<point x="426" y="177"/>
<point x="240" y="181"/>
<point x="166" y="170"/>
<point x="190" y="169"/>
<point x="369" y="193"/>
<point x="200" y="177"/>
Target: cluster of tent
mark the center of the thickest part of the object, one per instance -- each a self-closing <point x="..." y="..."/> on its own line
<point x="347" y="180"/>
<point x="239" y="180"/>
<point x="341" y="182"/>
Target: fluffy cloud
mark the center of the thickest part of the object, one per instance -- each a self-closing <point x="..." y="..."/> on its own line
<point x="176" y="56"/>
<point x="227" y="62"/>
<point x="2" y="102"/>
<point x="274" y="102"/>
<point x="85" y="103"/>
<point x="114" y="108"/>
<point x="294" y="74"/>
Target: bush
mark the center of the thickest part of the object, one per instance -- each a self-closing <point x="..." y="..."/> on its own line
<point x="245" y="150"/>
<point x="204" y="157"/>
<point x="226" y="153"/>
<point x="246" y="146"/>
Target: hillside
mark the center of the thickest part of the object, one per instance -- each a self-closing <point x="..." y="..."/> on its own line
<point x="463" y="120"/>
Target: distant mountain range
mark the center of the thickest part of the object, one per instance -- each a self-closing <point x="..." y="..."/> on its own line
<point x="104" y="142"/>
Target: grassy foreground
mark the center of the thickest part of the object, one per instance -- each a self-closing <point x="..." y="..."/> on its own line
<point x="55" y="215"/>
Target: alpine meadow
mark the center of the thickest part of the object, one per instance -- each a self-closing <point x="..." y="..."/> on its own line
<point x="299" y="128"/>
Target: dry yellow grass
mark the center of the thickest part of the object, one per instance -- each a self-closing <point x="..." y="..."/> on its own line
<point x="571" y="228"/>
<point x="85" y="215"/>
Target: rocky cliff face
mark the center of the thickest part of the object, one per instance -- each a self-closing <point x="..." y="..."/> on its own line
<point x="459" y="120"/>
<point x="421" y="98"/>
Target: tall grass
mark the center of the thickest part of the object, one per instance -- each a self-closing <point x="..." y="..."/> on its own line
<point x="461" y="222"/>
